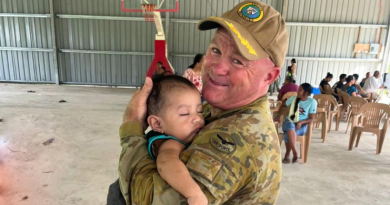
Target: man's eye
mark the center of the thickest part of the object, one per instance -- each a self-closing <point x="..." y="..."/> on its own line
<point x="237" y="62"/>
<point x="185" y="114"/>
<point x="216" y="50"/>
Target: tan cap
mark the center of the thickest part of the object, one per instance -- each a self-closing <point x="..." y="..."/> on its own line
<point x="257" y="29"/>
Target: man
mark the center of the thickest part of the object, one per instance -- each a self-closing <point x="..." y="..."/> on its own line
<point x="324" y="84"/>
<point x="339" y="85"/>
<point x="358" y="87"/>
<point x="235" y="158"/>
<point x="373" y="83"/>
<point x="368" y="74"/>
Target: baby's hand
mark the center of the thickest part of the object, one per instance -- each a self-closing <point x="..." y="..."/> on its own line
<point x="198" y="199"/>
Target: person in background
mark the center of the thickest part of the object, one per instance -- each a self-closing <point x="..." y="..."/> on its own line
<point x="349" y="88"/>
<point x="357" y="85"/>
<point x="339" y="85"/>
<point x="373" y="84"/>
<point x="158" y="67"/>
<point x="289" y="86"/>
<point x="291" y="70"/>
<point x="325" y="84"/>
<point x="193" y="73"/>
<point x="364" y="79"/>
<point x="356" y="76"/>
<point x="302" y="112"/>
<point x="161" y="71"/>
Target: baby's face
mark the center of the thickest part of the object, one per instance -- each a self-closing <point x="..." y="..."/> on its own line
<point x="182" y="114"/>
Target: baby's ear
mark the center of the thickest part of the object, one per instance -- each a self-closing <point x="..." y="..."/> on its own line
<point x="155" y="123"/>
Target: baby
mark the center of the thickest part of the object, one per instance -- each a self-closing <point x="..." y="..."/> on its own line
<point x="175" y="116"/>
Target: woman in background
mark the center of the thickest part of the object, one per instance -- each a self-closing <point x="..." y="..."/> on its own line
<point x="193" y="73"/>
<point x="302" y="112"/>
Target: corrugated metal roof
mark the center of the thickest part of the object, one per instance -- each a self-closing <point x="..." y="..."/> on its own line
<point x="339" y="11"/>
<point x="184" y="38"/>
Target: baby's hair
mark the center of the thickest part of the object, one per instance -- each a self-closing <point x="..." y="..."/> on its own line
<point x="162" y="86"/>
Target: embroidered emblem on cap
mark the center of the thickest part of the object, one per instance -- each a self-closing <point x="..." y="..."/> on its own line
<point x="223" y="142"/>
<point x="243" y="41"/>
<point x="251" y="12"/>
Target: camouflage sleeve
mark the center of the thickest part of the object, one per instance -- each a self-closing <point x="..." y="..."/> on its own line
<point x="234" y="162"/>
<point x="134" y="149"/>
<point x="218" y="160"/>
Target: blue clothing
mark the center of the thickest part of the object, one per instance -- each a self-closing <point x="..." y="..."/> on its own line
<point x="288" y="125"/>
<point x="306" y="107"/>
<point x="153" y="136"/>
<point x="351" y="89"/>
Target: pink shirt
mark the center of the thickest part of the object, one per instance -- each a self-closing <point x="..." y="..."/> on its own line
<point x="291" y="87"/>
<point x="194" y="78"/>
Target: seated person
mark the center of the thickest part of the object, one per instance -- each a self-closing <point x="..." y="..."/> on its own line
<point x="326" y="89"/>
<point x="289" y="86"/>
<point x="364" y="79"/>
<point x="350" y="89"/>
<point x="175" y="116"/>
<point x="373" y="84"/>
<point x="339" y="85"/>
<point x="161" y="71"/>
<point x="357" y="86"/>
<point x="302" y="112"/>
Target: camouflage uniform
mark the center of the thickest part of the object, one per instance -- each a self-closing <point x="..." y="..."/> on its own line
<point x="235" y="159"/>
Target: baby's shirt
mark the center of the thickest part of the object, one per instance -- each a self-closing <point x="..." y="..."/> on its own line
<point x="153" y="136"/>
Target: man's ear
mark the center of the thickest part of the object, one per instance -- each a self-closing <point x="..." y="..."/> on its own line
<point x="155" y="123"/>
<point x="273" y="74"/>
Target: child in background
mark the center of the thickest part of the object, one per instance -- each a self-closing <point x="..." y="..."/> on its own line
<point x="175" y="116"/>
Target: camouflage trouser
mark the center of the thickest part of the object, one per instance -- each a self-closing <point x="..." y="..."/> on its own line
<point x="274" y="87"/>
<point x="115" y="195"/>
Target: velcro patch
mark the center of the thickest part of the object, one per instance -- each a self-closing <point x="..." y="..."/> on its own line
<point x="223" y="142"/>
<point x="204" y="165"/>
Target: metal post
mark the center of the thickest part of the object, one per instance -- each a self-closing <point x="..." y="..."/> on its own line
<point x="54" y="42"/>
<point x="386" y="56"/>
<point x="167" y="21"/>
<point x="284" y="9"/>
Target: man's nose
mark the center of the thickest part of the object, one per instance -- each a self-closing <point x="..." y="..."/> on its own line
<point x="221" y="67"/>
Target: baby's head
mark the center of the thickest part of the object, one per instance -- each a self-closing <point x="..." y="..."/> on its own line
<point x="175" y="108"/>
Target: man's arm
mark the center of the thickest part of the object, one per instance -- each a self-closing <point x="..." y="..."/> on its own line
<point x="134" y="145"/>
<point x="132" y="138"/>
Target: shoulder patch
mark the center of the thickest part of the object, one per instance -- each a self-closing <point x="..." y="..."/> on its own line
<point x="223" y="143"/>
<point x="205" y="165"/>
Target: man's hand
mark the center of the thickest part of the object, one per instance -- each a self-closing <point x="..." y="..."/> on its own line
<point x="136" y="109"/>
<point x="198" y="199"/>
<point x="298" y="125"/>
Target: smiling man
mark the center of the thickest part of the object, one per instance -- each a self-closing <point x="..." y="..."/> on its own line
<point x="235" y="158"/>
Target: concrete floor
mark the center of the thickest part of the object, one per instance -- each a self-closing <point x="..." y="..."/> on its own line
<point x="82" y="160"/>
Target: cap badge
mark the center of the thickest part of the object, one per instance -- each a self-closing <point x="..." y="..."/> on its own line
<point x="251" y="12"/>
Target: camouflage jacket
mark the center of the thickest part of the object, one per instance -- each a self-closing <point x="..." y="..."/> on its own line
<point x="235" y="159"/>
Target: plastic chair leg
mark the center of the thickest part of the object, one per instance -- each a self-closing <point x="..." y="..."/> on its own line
<point x="382" y="139"/>
<point x="349" y="123"/>
<point x="352" y="139"/>
<point x="303" y="157"/>
<point x="358" y="139"/>
<point x="338" y="120"/>
<point x="330" y="122"/>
